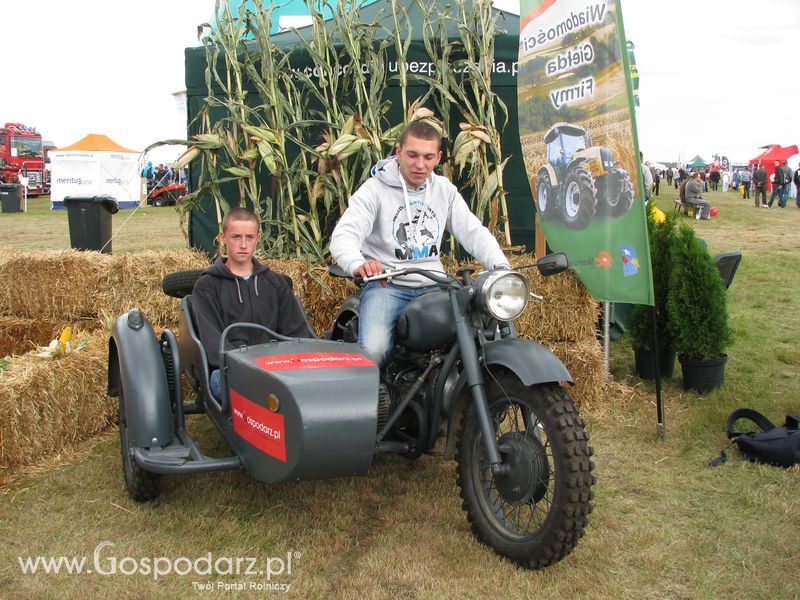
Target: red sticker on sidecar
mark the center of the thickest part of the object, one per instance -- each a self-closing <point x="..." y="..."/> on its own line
<point x="313" y="360"/>
<point x="258" y="426"/>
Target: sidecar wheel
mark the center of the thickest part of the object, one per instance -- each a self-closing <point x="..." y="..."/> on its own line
<point x="180" y="283"/>
<point x="141" y="485"/>
<point x="536" y="513"/>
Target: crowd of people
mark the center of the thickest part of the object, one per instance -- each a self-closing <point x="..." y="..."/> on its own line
<point x="162" y="175"/>
<point x="748" y="181"/>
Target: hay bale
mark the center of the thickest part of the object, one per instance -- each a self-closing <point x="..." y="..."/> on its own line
<point x="320" y="293"/>
<point x="19" y="335"/>
<point x="568" y="312"/>
<point x="134" y="281"/>
<point x="584" y="361"/>
<point x="54" y="285"/>
<point x="49" y="406"/>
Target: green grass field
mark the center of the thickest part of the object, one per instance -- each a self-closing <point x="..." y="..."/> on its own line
<point x="664" y="525"/>
<point x="43" y="229"/>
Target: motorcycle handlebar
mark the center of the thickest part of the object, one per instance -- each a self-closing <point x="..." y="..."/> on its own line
<point x="442" y="279"/>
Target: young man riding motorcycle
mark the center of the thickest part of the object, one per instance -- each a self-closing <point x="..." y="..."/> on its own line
<point x="396" y="219"/>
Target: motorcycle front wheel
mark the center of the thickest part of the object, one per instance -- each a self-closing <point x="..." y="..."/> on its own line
<point x="536" y="513"/>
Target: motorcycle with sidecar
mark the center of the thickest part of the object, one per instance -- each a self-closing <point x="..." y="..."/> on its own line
<point x="459" y="382"/>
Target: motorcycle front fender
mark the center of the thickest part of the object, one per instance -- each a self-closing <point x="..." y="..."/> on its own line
<point x="531" y="362"/>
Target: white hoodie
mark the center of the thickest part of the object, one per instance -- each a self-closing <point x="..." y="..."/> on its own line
<point x="376" y="226"/>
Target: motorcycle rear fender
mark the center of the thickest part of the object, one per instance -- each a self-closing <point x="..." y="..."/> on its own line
<point x="347" y="311"/>
<point x="531" y="362"/>
<point x="134" y="356"/>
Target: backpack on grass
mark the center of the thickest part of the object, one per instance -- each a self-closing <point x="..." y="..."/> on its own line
<point x="778" y="446"/>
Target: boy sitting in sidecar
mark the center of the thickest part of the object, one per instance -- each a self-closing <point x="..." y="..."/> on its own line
<point x="238" y="288"/>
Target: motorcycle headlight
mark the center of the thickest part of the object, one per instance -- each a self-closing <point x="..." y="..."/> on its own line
<point x="504" y="294"/>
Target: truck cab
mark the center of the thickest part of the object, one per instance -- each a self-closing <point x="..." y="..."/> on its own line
<point x="21" y="150"/>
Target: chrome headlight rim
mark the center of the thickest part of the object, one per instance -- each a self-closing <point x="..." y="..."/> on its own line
<point x="494" y="282"/>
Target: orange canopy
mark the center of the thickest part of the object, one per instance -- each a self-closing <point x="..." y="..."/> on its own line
<point x="97" y="141"/>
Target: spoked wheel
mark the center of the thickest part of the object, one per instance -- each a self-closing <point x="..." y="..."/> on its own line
<point x="142" y="485"/>
<point x="536" y="513"/>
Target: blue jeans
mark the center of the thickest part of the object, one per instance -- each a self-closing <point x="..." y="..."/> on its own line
<point x="214" y="384"/>
<point x="378" y="312"/>
<point x="785" y="195"/>
<point x="777" y="190"/>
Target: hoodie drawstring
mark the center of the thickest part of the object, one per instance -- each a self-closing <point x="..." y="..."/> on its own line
<point x="255" y="277"/>
<point x="239" y="290"/>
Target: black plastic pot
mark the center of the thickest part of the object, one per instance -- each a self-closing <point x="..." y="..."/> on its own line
<point x="646" y="363"/>
<point x="703" y="375"/>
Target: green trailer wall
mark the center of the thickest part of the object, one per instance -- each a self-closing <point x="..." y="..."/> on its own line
<point x="202" y="220"/>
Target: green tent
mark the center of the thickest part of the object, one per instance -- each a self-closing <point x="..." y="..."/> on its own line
<point x="697" y="163"/>
<point x="202" y="221"/>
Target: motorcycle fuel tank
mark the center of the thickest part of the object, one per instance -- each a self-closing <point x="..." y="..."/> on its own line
<point x="427" y="322"/>
<point x="303" y="409"/>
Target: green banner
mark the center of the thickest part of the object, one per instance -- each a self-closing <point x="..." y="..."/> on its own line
<point x="578" y="135"/>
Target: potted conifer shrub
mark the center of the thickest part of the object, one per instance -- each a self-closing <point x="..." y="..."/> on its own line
<point x="662" y="236"/>
<point x="697" y="314"/>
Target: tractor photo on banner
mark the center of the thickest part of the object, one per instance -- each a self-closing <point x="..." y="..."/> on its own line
<point x="578" y="135"/>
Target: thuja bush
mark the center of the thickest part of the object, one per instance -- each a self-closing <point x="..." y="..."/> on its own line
<point x="696" y="301"/>
<point x="662" y="237"/>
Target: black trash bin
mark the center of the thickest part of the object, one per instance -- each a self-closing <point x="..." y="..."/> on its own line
<point x="11" y="197"/>
<point x="90" y="221"/>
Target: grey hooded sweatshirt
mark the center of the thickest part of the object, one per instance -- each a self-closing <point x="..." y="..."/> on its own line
<point x="376" y="226"/>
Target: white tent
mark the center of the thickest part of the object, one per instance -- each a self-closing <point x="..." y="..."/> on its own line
<point x="92" y="166"/>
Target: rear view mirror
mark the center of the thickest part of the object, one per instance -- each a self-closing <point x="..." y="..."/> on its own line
<point x="552" y="264"/>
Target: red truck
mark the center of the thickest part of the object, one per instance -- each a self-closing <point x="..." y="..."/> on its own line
<point x="21" y="148"/>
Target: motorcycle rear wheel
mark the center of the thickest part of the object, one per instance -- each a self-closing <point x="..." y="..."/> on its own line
<point x="536" y="514"/>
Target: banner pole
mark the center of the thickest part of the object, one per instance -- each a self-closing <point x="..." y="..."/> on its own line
<point x="659" y="400"/>
<point x="607" y="336"/>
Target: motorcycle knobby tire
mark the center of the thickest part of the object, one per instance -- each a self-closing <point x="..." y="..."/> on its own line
<point x="537" y="517"/>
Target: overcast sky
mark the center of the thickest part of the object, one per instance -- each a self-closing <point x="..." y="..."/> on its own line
<point x="717" y="76"/>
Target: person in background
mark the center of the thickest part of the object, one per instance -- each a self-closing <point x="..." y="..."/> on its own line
<point x="656" y="180"/>
<point x="726" y="181"/>
<point x="778" y="183"/>
<point x="714" y="178"/>
<point x="796" y="180"/>
<point x="647" y="177"/>
<point x="694" y="197"/>
<point x="760" y="185"/>
<point x="745" y="177"/>
<point x="787" y="184"/>
<point x="680" y="178"/>
<point x="22" y="177"/>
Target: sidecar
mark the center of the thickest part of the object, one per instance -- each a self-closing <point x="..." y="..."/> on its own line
<point x="290" y="409"/>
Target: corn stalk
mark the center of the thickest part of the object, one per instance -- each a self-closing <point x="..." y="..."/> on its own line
<point x="317" y="133"/>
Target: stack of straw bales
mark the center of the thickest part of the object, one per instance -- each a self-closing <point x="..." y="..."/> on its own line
<point x="46" y="406"/>
<point x="70" y="286"/>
